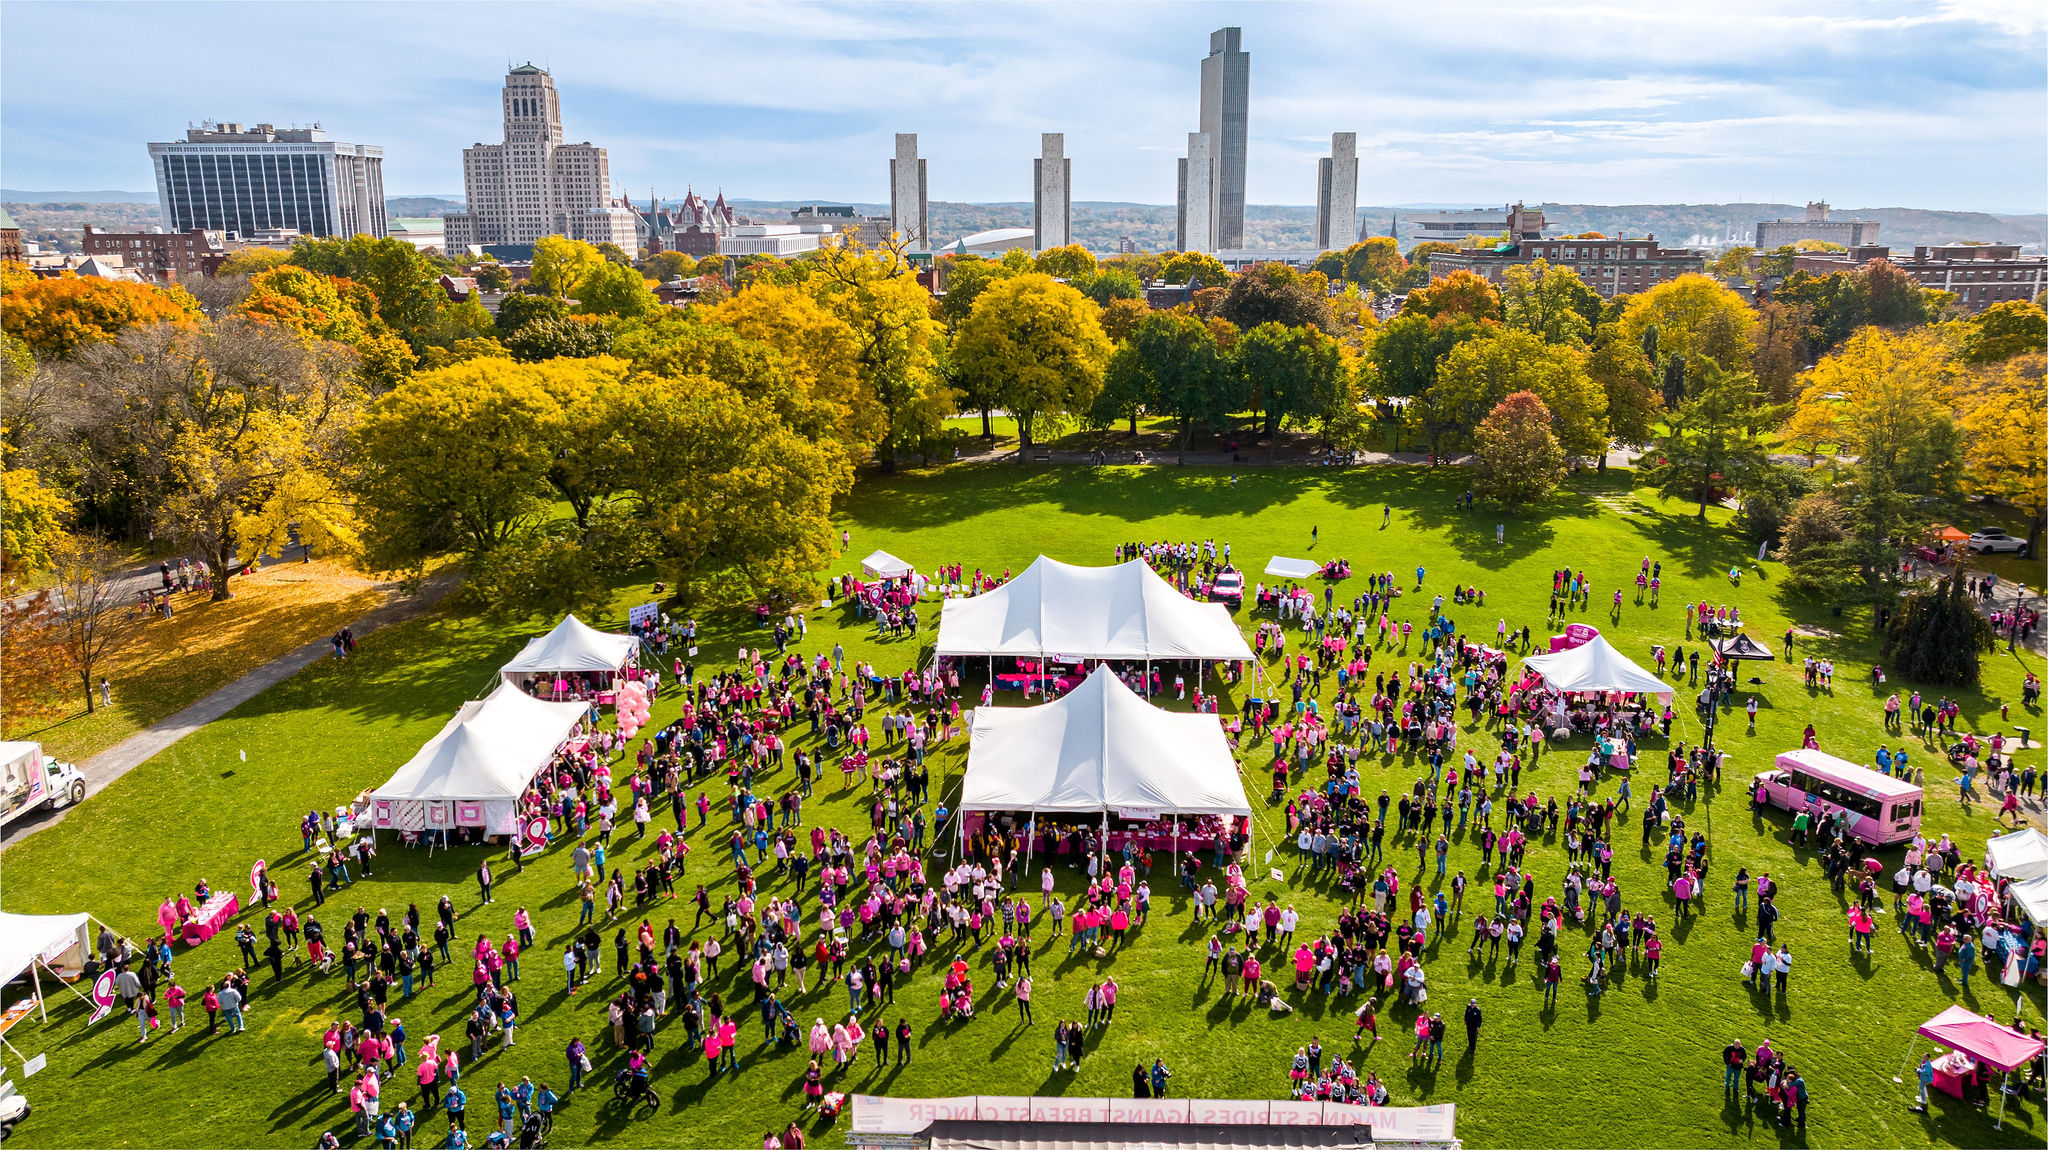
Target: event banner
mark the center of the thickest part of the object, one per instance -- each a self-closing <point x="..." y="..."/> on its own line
<point x="873" y="1114"/>
<point x="644" y="613"/>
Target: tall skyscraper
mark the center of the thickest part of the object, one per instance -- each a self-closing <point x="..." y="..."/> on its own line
<point x="1052" y="193"/>
<point x="1226" y="111"/>
<point x="1337" y="193"/>
<point x="909" y="214"/>
<point x="225" y="177"/>
<point x="1192" y="231"/>
<point x="533" y="184"/>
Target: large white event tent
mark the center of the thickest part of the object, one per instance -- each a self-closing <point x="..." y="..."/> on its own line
<point x="2019" y="856"/>
<point x="572" y="646"/>
<point x="1292" y="568"/>
<point x="473" y="772"/>
<point x="1596" y="666"/>
<point x="1121" y="612"/>
<point x="30" y="943"/>
<point x="1100" y="749"/>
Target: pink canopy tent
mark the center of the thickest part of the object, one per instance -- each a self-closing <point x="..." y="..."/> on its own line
<point x="1984" y="1040"/>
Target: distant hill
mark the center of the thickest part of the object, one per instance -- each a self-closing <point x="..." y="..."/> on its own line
<point x="17" y="196"/>
<point x="421" y="207"/>
<point x="1702" y="225"/>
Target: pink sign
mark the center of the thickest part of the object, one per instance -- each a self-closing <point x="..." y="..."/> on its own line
<point x="256" y="878"/>
<point x="1575" y="635"/>
<point x="102" y="996"/>
<point x="537" y="833"/>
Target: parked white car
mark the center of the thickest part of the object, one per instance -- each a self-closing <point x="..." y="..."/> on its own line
<point x="1992" y="539"/>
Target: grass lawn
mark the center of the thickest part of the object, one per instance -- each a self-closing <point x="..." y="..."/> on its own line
<point x="173" y="663"/>
<point x="1637" y="1066"/>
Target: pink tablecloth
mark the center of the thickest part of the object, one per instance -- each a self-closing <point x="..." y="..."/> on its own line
<point x="215" y="914"/>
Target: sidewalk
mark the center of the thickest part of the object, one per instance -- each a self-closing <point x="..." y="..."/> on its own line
<point x="103" y="769"/>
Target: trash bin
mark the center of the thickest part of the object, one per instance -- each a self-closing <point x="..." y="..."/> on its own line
<point x="2026" y="736"/>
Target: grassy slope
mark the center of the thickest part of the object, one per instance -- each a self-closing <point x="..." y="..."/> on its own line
<point x="1544" y="1078"/>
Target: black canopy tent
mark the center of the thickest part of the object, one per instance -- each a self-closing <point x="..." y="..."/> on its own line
<point x="1740" y="646"/>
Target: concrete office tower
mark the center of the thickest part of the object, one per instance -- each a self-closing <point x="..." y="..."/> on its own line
<point x="1191" y="229"/>
<point x="1052" y="193"/>
<point x="1337" y="193"/>
<point x="246" y="180"/>
<point x="1226" y="110"/>
<point x="909" y="213"/>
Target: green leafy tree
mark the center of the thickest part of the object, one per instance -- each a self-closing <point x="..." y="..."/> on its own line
<point x="1112" y="284"/>
<point x="1478" y="374"/>
<point x="571" y="336"/>
<point x="491" y="276"/>
<point x="662" y="267"/>
<point x="519" y="309"/>
<point x="1292" y="373"/>
<point x="1520" y="461"/>
<point x="1181" y="370"/>
<point x="1276" y="293"/>
<point x="1623" y="373"/>
<point x="1552" y="302"/>
<point x="2004" y="330"/>
<point x="1818" y="551"/>
<point x="1937" y="636"/>
<point x="613" y="288"/>
<point x="1709" y="443"/>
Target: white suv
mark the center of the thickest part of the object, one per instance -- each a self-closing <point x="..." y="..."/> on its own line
<point x="1992" y="539"/>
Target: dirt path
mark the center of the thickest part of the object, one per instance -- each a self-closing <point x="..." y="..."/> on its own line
<point x="104" y="768"/>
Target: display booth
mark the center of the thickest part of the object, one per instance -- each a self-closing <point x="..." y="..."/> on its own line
<point x="573" y="661"/>
<point x="1740" y="647"/>
<point x="1595" y="666"/>
<point x="59" y="945"/>
<point x="1121" y="612"/>
<point x="2031" y="897"/>
<point x="1103" y="752"/>
<point x="472" y="773"/>
<point x="883" y="565"/>
<point x="1975" y="1044"/>
<point x="2019" y="856"/>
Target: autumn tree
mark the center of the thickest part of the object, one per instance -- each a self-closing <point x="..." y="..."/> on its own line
<point x="33" y="518"/>
<point x="1620" y="369"/>
<point x="88" y="615"/>
<point x="1460" y="295"/>
<point x="1695" y="319"/>
<point x="55" y="317"/>
<point x="560" y="263"/>
<point x="875" y="292"/>
<point x="815" y="381"/>
<point x="614" y="289"/>
<point x="1478" y="374"/>
<point x="2004" y="330"/>
<point x="1782" y="333"/>
<point x="1199" y="268"/>
<point x="1120" y="317"/>
<point x="405" y="284"/>
<point x="1520" y="461"/>
<point x="1037" y="345"/>
<point x="662" y="267"/>
<point x="1072" y="262"/>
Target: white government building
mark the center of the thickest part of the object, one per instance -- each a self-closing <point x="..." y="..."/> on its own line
<point x="533" y="184"/>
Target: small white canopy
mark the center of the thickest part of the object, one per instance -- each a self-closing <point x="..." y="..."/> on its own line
<point x="488" y="752"/>
<point x="1121" y="612"/>
<point x="1101" y="748"/>
<point x="572" y="646"/>
<point x="2032" y="895"/>
<point x="883" y="565"/>
<point x="1292" y="568"/>
<point x="2021" y="855"/>
<point x="26" y="939"/>
<point x="1596" y="666"/>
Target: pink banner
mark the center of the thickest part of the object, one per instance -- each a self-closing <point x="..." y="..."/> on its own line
<point x="877" y="1115"/>
<point x="1575" y="635"/>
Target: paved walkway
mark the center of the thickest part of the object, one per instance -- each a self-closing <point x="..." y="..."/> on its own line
<point x="104" y="768"/>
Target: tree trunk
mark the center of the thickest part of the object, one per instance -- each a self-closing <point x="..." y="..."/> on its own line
<point x="1187" y="432"/>
<point x="1134" y="423"/>
<point x="1023" y="436"/>
<point x="988" y="424"/>
<point x="87" y="676"/>
<point x="221" y="558"/>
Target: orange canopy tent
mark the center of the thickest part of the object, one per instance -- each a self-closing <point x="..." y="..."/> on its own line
<point x="1943" y="533"/>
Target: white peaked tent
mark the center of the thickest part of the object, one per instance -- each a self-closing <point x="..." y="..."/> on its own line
<point x="572" y="646"/>
<point x="1292" y="568"/>
<point x="1121" y="612"/>
<point x="2032" y="895"/>
<point x="1100" y="749"/>
<point x="1596" y="666"/>
<point x="883" y="565"/>
<point x="32" y="941"/>
<point x="473" y="772"/>
<point x="2019" y="856"/>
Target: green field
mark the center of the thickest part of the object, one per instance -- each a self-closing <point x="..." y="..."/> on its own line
<point x="1636" y="1066"/>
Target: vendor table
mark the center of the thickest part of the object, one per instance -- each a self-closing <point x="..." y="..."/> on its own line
<point x="1951" y="1070"/>
<point x="217" y="912"/>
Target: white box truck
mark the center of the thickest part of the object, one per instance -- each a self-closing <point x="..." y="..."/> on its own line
<point x="30" y="780"/>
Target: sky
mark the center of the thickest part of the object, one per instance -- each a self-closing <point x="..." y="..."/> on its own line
<point x="1931" y="105"/>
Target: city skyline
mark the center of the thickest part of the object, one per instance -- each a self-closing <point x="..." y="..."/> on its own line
<point x="1573" y="102"/>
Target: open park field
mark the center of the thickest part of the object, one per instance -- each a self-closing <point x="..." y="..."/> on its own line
<point x="1639" y="1065"/>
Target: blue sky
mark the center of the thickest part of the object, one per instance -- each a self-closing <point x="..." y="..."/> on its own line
<point x="1937" y="105"/>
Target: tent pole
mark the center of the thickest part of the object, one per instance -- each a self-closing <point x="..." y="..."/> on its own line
<point x="36" y="980"/>
<point x="2002" y="1084"/>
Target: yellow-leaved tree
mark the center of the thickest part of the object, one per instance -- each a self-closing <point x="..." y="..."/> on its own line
<point x="896" y="341"/>
<point x="1037" y="347"/>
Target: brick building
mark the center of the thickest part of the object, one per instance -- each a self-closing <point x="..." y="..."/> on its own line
<point x="1979" y="274"/>
<point x="1611" y="267"/>
<point x="159" y="255"/>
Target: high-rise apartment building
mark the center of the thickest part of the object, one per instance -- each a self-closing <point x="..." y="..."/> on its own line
<point x="1226" y="111"/>
<point x="533" y="184"/>
<point x="1337" y="193"/>
<point x="245" y="180"/>
<point x="909" y="215"/>
<point x="1052" y="193"/>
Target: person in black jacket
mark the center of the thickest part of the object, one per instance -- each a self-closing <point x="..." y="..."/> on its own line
<point x="1473" y="1017"/>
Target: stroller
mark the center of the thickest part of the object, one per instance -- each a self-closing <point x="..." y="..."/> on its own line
<point x="533" y="1134"/>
